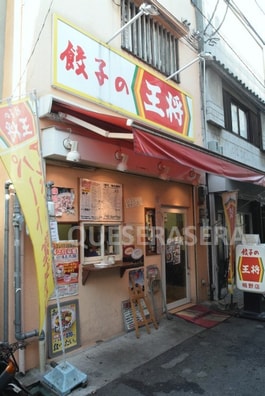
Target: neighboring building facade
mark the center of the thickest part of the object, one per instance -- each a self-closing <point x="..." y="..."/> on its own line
<point x="137" y="196"/>
<point x="235" y="117"/>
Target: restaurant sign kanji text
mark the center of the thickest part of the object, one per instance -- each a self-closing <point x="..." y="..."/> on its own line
<point x="90" y="69"/>
<point x="250" y="268"/>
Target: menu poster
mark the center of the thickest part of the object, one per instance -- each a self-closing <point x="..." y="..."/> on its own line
<point x="66" y="261"/>
<point x="70" y="325"/>
<point x="136" y="277"/>
<point x="100" y="201"/>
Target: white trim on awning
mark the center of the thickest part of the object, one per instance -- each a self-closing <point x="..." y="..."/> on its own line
<point x="94" y="128"/>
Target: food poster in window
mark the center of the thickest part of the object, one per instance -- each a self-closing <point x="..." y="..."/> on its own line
<point x="70" y="328"/>
<point x="64" y="202"/>
<point x="66" y="260"/>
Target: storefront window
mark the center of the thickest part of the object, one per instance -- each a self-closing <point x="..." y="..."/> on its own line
<point x="100" y="241"/>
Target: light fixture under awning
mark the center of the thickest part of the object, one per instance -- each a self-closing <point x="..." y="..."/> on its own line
<point x="189" y="155"/>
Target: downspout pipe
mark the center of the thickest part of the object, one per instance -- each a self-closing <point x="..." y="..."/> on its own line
<point x="17" y="222"/>
<point x="6" y="263"/>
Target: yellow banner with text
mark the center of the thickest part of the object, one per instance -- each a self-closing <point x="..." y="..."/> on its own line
<point x="21" y="156"/>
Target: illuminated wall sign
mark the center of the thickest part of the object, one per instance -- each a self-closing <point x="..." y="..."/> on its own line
<point x="250" y="268"/>
<point x="91" y="70"/>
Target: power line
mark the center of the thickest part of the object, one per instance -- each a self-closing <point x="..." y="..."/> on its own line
<point x="234" y="51"/>
<point x="261" y="9"/>
<point x="211" y="18"/>
<point x="220" y="25"/>
<point x="237" y="11"/>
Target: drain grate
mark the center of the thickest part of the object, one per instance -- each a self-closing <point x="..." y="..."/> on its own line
<point x="39" y="389"/>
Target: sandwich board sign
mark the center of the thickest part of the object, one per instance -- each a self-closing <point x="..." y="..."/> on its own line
<point x="250" y="268"/>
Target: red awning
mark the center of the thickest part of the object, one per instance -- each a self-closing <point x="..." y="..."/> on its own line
<point x="110" y="123"/>
<point x="152" y="143"/>
<point x="190" y="155"/>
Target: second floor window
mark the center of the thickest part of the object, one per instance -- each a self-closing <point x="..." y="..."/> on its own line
<point x="241" y="119"/>
<point x="148" y="40"/>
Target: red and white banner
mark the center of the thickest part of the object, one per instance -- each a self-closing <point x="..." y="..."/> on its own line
<point x="230" y="210"/>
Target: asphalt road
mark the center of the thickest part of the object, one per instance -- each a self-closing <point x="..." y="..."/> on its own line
<point x="227" y="360"/>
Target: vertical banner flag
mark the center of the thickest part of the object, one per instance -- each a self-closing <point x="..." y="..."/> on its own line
<point x="230" y="210"/>
<point x="21" y="156"/>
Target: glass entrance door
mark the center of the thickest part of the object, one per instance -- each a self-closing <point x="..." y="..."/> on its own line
<point x="176" y="281"/>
